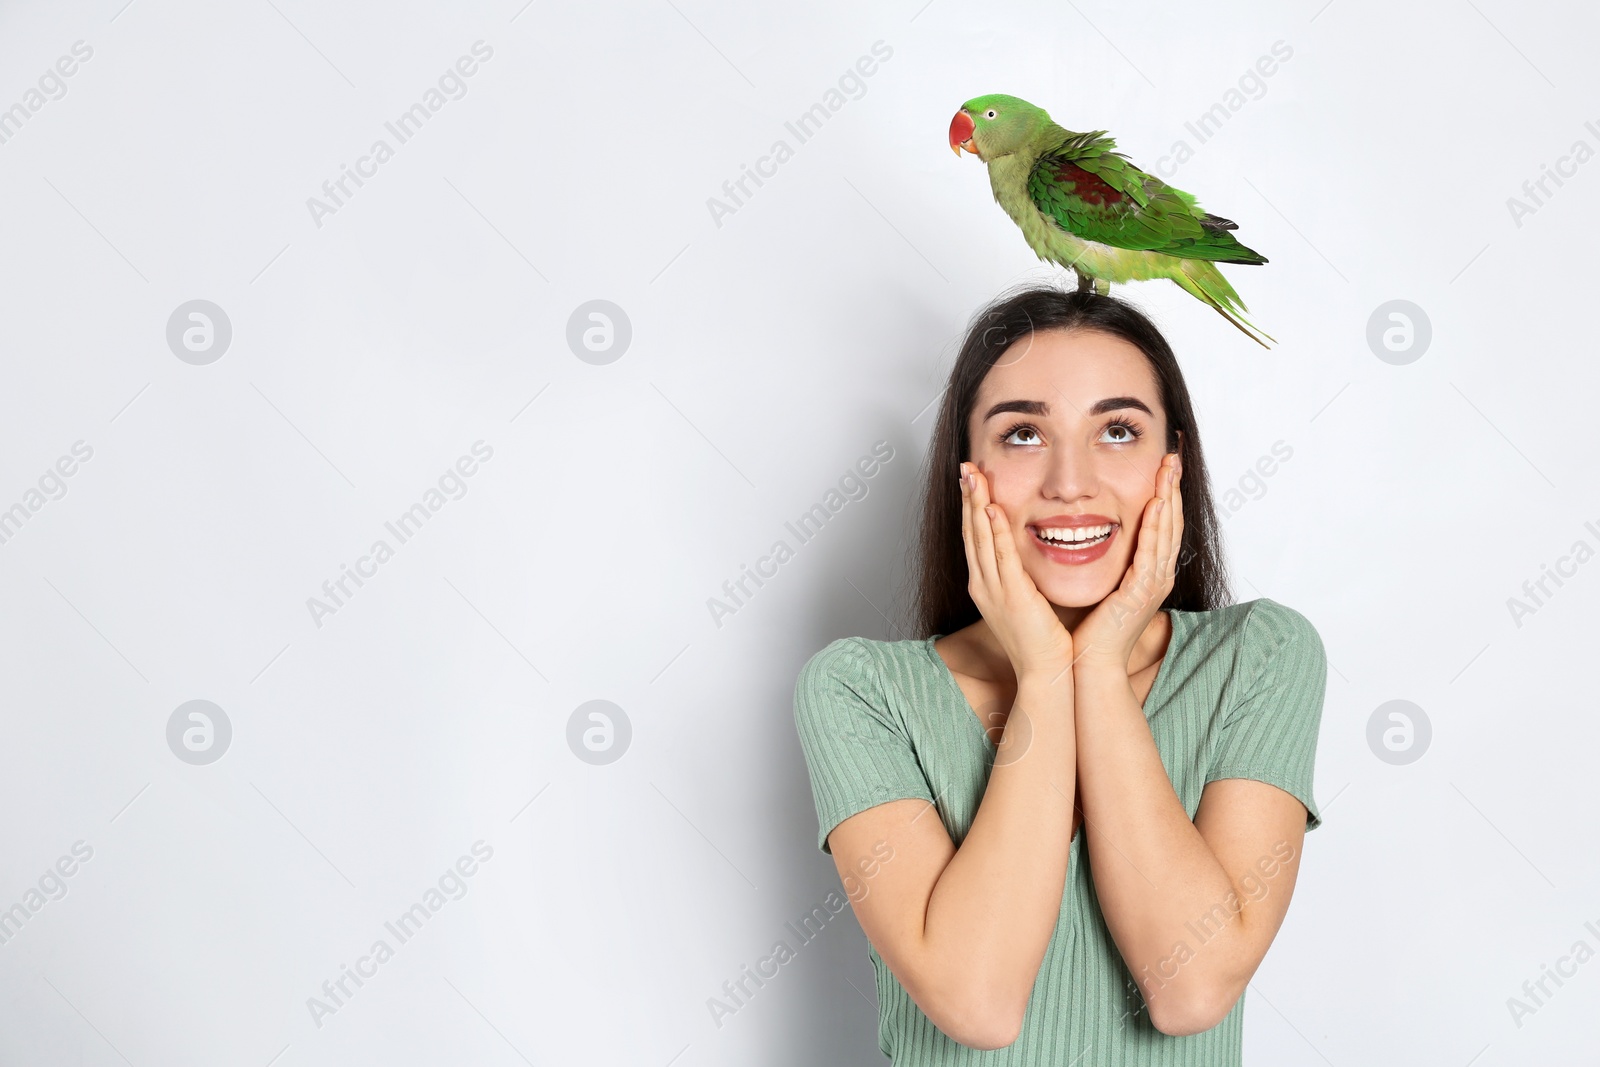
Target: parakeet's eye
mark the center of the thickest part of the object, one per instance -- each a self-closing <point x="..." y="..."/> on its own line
<point x="991" y="113"/>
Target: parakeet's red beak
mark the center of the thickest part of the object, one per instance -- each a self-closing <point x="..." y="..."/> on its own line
<point x="961" y="128"/>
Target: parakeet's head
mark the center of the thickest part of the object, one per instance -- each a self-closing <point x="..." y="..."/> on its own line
<point x="995" y="125"/>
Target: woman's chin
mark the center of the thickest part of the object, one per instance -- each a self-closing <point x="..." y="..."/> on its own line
<point x="1076" y="594"/>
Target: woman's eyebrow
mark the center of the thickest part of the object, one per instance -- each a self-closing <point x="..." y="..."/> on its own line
<point x="1039" y="407"/>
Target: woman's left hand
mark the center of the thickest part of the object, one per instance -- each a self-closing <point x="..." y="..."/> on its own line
<point x="1106" y="637"/>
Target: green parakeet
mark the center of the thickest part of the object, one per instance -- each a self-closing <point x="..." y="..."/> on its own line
<point x="1088" y="208"/>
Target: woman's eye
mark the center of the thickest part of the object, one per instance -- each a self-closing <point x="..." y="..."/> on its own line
<point x="1123" y="434"/>
<point x="1023" y="430"/>
<point x="1027" y="436"/>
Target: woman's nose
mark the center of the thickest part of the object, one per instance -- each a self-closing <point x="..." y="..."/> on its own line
<point x="1070" y="473"/>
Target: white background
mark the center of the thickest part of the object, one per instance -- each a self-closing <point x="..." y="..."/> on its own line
<point x="768" y="353"/>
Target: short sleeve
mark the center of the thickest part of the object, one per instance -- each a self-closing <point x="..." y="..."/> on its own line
<point x="857" y="750"/>
<point x="1270" y="734"/>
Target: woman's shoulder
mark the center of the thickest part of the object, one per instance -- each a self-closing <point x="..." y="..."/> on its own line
<point x="852" y="677"/>
<point x="841" y="657"/>
<point x="1251" y="633"/>
<point x="859" y="657"/>
<point x="1274" y="624"/>
<point x="1260" y="620"/>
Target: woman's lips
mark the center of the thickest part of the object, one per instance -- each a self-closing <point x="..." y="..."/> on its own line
<point x="1058" y="554"/>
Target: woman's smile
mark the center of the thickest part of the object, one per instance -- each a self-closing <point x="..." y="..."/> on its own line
<point x="1074" y="539"/>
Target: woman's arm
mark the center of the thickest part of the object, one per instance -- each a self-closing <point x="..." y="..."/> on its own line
<point x="965" y="930"/>
<point x="1192" y="906"/>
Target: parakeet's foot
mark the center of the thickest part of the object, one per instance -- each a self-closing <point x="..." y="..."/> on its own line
<point x="1102" y="286"/>
<point x="1085" y="282"/>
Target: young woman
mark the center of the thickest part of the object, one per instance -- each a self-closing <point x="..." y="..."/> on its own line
<point x="1119" y="759"/>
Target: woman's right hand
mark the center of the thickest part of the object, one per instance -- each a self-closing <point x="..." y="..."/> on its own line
<point x="1022" y="620"/>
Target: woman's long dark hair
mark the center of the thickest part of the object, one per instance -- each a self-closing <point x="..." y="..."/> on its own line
<point x="942" y="604"/>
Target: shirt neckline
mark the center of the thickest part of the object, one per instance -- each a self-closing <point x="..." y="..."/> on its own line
<point x="1177" y="616"/>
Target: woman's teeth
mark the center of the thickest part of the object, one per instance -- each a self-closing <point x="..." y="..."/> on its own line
<point x="1076" y="538"/>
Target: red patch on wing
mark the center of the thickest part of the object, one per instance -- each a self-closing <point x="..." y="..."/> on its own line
<point x="1091" y="188"/>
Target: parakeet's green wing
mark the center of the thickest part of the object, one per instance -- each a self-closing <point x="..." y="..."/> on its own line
<point x="1099" y="195"/>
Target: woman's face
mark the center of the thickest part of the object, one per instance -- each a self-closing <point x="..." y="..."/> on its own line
<point x="1069" y="430"/>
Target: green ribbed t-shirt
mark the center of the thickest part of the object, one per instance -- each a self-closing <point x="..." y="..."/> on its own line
<point x="1238" y="694"/>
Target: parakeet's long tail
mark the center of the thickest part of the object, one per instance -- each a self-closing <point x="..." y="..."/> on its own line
<point x="1202" y="280"/>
